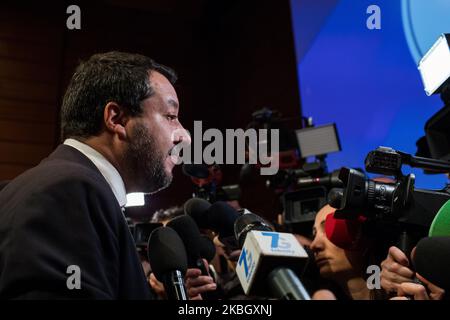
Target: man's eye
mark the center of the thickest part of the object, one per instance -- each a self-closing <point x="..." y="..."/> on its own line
<point x="172" y="117"/>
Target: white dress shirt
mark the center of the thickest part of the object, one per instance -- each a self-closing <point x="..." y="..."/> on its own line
<point x="108" y="171"/>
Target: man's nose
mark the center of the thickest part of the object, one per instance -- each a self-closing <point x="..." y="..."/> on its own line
<point x="181" y="135"/>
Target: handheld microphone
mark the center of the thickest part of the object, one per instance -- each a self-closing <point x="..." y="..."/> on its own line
<point x="249" y="222"/>
<point x="167" y="257"/>
<point x="208" y="251"/>
<point x="196" y="209"/>
<point x="207" y="248"/>
<point x="432" y="260"/>
<point x="189" y="233"/>
<point x="219" y="217"/>
<point x="267" y="259"/>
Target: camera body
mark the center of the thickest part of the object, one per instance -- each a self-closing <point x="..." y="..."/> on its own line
<point x="395" y="203"/>
<point x="312" y="185"/>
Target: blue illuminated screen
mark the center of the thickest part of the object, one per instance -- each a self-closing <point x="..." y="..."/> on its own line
<point x="366" y="80"/>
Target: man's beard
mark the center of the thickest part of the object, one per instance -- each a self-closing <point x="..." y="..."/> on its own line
<point x="145" y="162"/>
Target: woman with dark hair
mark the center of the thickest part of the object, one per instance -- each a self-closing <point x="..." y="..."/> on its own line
<point x="346" y="269"/>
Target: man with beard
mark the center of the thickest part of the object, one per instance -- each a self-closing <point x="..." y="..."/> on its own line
<point x="63" y="233"/>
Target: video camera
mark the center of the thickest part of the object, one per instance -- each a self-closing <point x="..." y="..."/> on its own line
<point x="302" y="186"/>
<point x="312" y="183"/>
<point x="395" y="206"/>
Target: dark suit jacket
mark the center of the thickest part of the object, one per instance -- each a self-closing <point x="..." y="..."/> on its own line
<point x="64" y="213"/>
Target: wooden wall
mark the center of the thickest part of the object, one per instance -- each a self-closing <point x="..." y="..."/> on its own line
<point x="30" y="69"/>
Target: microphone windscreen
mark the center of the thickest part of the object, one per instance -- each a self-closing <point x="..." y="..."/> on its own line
<point x="166" y="252"/>
<point x="432" y="260"/>
<point x="207" y="248"/>
<point x="249" y="222"/>
<point x="189" y="233"/>
<point x="343" y="233"/>
<point x="220" y="217"/>
<point x="440" y="227"/>
<point x="196" y="208"/>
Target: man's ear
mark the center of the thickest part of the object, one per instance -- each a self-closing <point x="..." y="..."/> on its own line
<point x="115" y="119"/>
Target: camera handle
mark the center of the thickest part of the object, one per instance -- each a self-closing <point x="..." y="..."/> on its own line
<point x="406" y="243"/>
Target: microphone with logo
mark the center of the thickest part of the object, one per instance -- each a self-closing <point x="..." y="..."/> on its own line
<point x="267" y="260"/>
<point x="167" y="257"/>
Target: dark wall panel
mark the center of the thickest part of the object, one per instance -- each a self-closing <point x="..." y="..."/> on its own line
<point x="31" y="40"/>
<point x="232" y="57"/>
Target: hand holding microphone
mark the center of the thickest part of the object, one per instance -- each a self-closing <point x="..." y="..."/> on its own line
<point x="198" y="278"/>
<point x="197" y="284"/>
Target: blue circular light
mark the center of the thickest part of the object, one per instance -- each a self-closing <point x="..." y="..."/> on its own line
<point x="423" y="22"/>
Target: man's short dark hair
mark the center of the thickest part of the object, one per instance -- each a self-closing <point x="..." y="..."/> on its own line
<point x="107" y="77"/>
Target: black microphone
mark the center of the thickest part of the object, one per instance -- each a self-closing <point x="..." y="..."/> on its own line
<point x="267" y="260"/>
<point x="189" y="233"/>
<point x="207" y="248"/>
<point x="219" y="217"/>
<point x="167" y="257"/>
<point x="208" y="252"/>
<point x="196" y="208"/>
<point x="432" y="260"/>
<point x="248" y="222"/>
